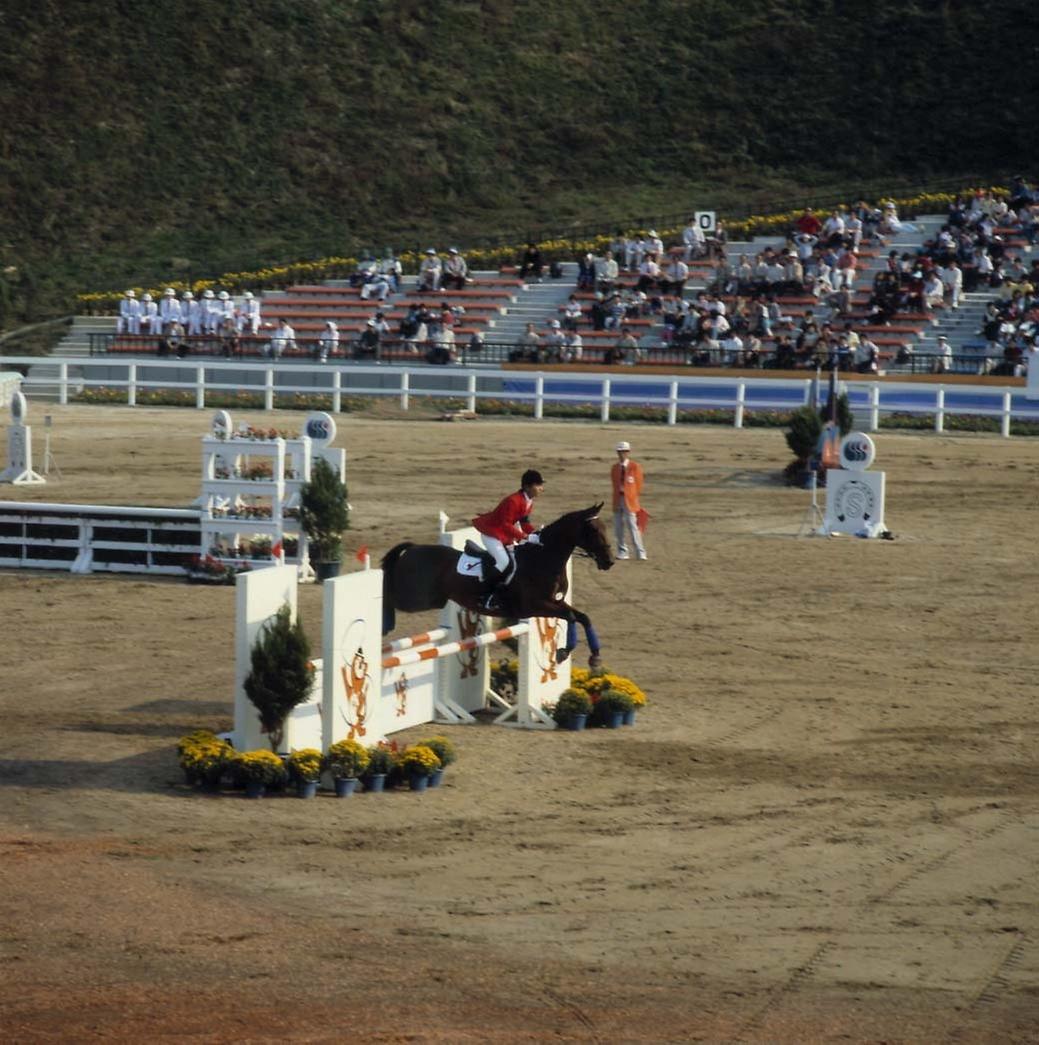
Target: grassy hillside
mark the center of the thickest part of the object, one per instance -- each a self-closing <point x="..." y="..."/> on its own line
<point x="140" y="139"/>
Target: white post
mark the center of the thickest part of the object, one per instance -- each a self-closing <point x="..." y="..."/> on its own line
<point x="741" y="402"/>
<point x="404" y="387"/>
<point x="539" y="397"/>
<point x="939" y="410"/>
<point x="63" y="384"/>
<point x="268" y="388"/>
<point x="471" y="407"/>
<point x="808" y="392"/>
<point x="337" y="392"/>
<point x="131" y="385"/>
<point x="200" y="388"/>
<point x="605" y="412"/>
<point x="672" y="404"/>
<point x="874" y="407"/>
<point x="1005" y="426"/>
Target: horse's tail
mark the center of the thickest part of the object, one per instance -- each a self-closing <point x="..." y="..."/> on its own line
<point x="389" y="565"/>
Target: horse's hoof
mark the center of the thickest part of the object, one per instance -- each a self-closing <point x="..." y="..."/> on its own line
<point x="561" y="655"/>
<point x="595" y="661"/>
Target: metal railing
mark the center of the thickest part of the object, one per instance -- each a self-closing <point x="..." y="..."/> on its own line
<point x="269" y="384"/>
<point x="597" y="352"/>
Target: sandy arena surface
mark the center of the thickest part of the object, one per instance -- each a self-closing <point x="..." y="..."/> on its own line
<point x="824" y="827"/>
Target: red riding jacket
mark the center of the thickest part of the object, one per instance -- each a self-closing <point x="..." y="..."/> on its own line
<point x="509" y="522"/>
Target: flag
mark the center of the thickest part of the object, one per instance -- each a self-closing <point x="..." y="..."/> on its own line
<point x="362" y="554"/>
<point x="642" y="518"/>
<point x="276" y="551"/>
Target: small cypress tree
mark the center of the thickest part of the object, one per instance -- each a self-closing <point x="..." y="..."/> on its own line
<point x="324" y="511"/>
<point x="281" y="674"/>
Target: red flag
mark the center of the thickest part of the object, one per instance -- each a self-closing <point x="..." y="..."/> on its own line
<point x="276" y="551"/>
<point x="642" y="518"/>
<point x="362" y="554"/>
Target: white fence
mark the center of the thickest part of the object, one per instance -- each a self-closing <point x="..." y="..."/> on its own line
<point x="739" y="393"/>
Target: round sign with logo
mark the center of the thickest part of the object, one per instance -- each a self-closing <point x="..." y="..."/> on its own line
<point x="222" y="425"/>
<point x="320" y="429"/>
<point x="19" y="408"/>
<point x="857" y="452"/>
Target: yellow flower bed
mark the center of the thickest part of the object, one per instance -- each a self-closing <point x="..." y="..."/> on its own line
<point x="593" y="684"/>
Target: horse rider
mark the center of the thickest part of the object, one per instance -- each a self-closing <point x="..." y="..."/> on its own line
<point x="507" y="525"/>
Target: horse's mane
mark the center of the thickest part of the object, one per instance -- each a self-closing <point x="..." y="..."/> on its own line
<point x="569" y="521"/>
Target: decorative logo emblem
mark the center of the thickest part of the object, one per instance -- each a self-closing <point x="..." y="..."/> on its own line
<point x="400" y="691"/>
<point x="857" y="451"/>
<point x="357" y="680"/>
<point x="548" y="643"/>
<point x="320" y="428"/>
<point x="468" y="626"/>
<point x="854" y="500"/>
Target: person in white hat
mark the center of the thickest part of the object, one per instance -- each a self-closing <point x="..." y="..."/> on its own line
<point x="129" y="321"/>
<point x="626" y="479"/>
<point x="430" y="271"/>
<point x="456" y="271"/>
<point x="149" y="316"/>
<point x="212" y="312"/>
<point x="943" y="356"/>
<point x="328" y="341"/>
<point x="249" y="314"/>
<point x="169" y="310"/>
<point x="191" y="308"/>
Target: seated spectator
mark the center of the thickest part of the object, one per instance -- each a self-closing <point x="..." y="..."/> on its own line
<point x="808" y="224"/>
<point x="943" y="358"/>
<point x="391" y="268"/>
<point x="149" y="320"/>
<point x="456" y="271"/>
<point x="624" y="351"/>
<point x="716" y="241"/>
<point x="282" y="340"/>
<point x="606" y="272"/>
<point x="694" y="244"/>
<point x="129" y="321"/>
<point x="586" y="272"/>
<point x="328" y="341"/>
<point x="410" y="321"/>
<point x="529" y="349"/>
<point x="752" y="351"/>
<point x="731" y="349"/>
<point x="554" y="342"/>
<point x="173" y="342"/>
<point x="248" y="317"/>
<point x="672" y="279"/>
<point x="367" y="345"/>
<point x="933" y="294"/>
<point x="599" y="312"/>
<point x="649" y="274"/>
<point x="442" y="347"/>
<point x="367" y="269"/>
<point x="573" y="347"/>
<point x="230" y="339"/>
<point x="416" y="342"/>
<point x="377" y="287"/>
<point x="430" y="272"/>
<point x="572" y="313"/>
<point x="169" y="309"/>
<point x="866" y="356"/>
<point x="532" y="264"/>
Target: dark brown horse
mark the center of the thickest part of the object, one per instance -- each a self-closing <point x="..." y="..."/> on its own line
<point x="419" y="577"/>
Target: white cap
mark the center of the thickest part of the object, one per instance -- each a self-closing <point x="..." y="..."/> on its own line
<point x="624" y="446"/>
<point x="130" y="294"/>
<point x="430" y="251"/>
<point x="453" y="250"/>
<point x="188" y="295"/>
<point x="554" y="323"/>
<point x="223" y="295"/>
<point x="169" y="292"/>
<point x="207" y="293"/>
<point x="248" y="295"/>
<point x="146" y="297"/>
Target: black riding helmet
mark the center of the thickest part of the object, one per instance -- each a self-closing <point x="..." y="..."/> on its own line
<point x="531" y="477"/>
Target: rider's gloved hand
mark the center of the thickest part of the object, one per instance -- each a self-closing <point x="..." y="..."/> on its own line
<point x="534" y="538"/>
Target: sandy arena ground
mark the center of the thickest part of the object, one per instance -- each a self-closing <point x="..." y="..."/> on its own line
<point x="824" y="827"/>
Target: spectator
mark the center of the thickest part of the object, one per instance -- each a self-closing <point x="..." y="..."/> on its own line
<point x="933" y="292"/>
<point x="169" y="310"/>
<point x="625" y="349"/>
<point x="430" y="272"/>
<point x="808" y="224"/>
<point x="716" y="242"/>
<point x="328" y="341"/>
<point x="172" y="341"/>
<point x="129" y="321"/>
<point x="391" y="268"/>
<point x="833" y="230"/>
<point x="676" y="272"/>
<point x="554" y="342"/>
<point x="378" y="287"/>
<point x="573" y="347"/>
<point x="649" y="274"/>
<point x="249" y="314"/>
<point x="952" y="281"/>
<point x="192" y="312"/>
<point x="283" y="339"/>
<point x="572" y="313"/>
<point x="606" y="272"/>
<point x="150" y="323"/>
<point x="442" y="347"/>
<point x="693" y="242"/>
<point x="586" y="272"/>
<point x="368" y="341"/>
<point x="456" y="271"/>
<point x="212" y="312"/>
<point x="529" y="349"/>
<point x="532" y="264"/>
<point x="230" y="340"/>
<point x="367" y="269"/>
<point x="943" y="358"/>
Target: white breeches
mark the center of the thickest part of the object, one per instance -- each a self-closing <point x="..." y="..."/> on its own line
<point x="503" y="556"/>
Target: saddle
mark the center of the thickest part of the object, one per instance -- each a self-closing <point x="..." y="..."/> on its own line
<point x="474" y="561"/>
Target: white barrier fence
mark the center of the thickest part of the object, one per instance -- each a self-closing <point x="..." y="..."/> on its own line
<point x="469" y="386"/>
<point x="367" y="689"/>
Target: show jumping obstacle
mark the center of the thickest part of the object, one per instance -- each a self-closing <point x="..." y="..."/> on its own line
<point x="366" y="688"/>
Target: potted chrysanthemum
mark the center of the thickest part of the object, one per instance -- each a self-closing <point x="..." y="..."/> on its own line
<point x="259" y="770"/>
<point x="347" y="761"/>
<point x="417" y="762"/>
<point x="304" y="766"/>
<point x="445" y="752"/>
<point x="572" y="709"/>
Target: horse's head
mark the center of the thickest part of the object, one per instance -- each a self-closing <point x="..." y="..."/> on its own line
<point x="592" y="538"/>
